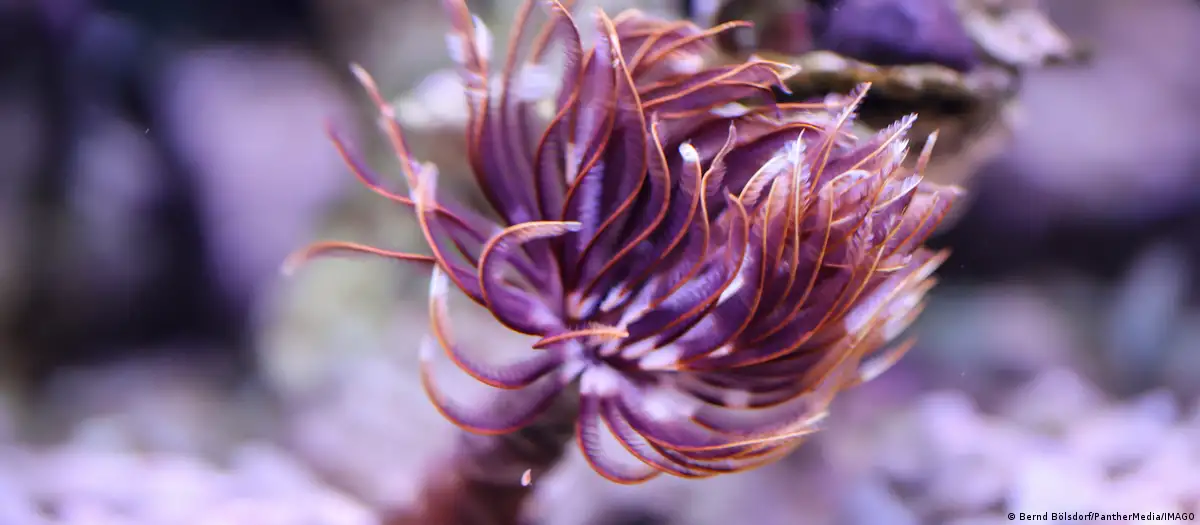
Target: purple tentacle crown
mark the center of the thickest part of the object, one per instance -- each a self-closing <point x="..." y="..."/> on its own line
<point x="709" y="270"/>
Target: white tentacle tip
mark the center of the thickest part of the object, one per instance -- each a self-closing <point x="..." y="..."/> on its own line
<point x="439" y="283"/>
<point x="360" y="73"/>
<point x="428" y="349"/>
<point x="689" y="153"/>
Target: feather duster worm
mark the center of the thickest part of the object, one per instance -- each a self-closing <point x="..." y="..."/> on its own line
<point x="707" y="267"/>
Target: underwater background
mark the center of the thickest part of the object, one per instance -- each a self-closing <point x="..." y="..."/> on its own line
<point x="159" y="161"/>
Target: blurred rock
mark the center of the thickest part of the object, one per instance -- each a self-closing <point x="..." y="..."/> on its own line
<point x="1130" y="164"/>
<point x="125" y="457"/>
<point x="80" y="486"/>
<point x="369" y="430"/>
<point x="891" y="32"/>
<point x="987" y="340"/>
<point x="1017" y="33"/>
<point x="1053" y="400"/>
<point x="265" y="192"/>
<point x="957" y="64"/>
<point x="180" y="407"/>
<point x="133" y="183"/>
<point x="948" y="462"/>
<point x="1147" y="308"/>
<point x="1117" y="440"/>
<point x="1182" y="363"/>
<point x="1053" y="480"/>
<point x="346" y="368"/>
<point x="870" y="503"/>
<point x="8" y="416"/>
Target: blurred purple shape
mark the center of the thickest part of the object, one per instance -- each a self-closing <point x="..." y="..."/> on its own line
<point x="893" y="32"/>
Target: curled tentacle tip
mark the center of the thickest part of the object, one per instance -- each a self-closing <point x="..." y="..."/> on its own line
<point x="361" y="73"/>
<point x="292" y="263"/>
<point x="689" y="153"/>
<point x="331" y="128"/>
<point x="428" y="348"/>
<point x="926" y="152"/>
<point x="789" y="71"/>
<point x="439" y="283"/>
<point x="930" y="141"/>
<point x="287" y="271"/>
<point x="955" y="191"/>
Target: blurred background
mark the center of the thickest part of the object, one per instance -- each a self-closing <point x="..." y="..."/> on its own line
<point x="159" y="160"/>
